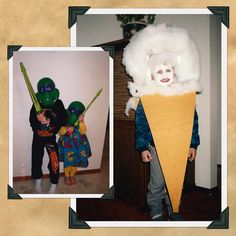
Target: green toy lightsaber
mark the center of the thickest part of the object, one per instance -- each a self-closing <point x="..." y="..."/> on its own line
<point x="92" y="101"/>
<point x="30" y="89"/>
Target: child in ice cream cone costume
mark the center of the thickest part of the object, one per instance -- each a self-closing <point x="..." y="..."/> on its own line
<point x="164" y="64"/>
<point x="74" y="147"/>
<point x="146" y="146"/>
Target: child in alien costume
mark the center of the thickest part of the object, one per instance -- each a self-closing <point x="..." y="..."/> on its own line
<point x="74" y="147"/>
<point x="45" y="126"/>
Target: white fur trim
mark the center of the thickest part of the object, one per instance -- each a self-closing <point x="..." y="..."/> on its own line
<point x="131" y="104"/>
<point x="138" y="90"/>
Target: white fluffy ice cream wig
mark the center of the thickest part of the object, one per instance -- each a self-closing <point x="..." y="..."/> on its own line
<point x="160" y="44"/>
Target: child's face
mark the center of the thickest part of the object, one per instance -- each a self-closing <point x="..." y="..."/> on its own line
<point x="163" y="75"/>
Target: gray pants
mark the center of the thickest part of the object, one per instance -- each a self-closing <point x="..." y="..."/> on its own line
<point x="156" y="187"/>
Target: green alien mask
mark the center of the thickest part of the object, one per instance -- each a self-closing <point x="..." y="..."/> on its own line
<point x="47" y="92"/>
<point x="74" y="110"/>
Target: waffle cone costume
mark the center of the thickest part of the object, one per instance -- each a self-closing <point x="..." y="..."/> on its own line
<point x="165" y="127"/>
<point x="169" y="110"/>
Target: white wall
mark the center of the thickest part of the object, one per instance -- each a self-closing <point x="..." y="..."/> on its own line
<point x="78" y="76"/>
<point x="208" y="105"/>
<point x="96" y="29"/>
<point x="215" y="49"/>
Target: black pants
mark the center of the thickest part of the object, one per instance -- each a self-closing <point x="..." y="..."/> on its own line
<point x="38" y="145"/>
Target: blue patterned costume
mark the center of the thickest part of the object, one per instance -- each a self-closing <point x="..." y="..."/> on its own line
<point x="74" y="149"/>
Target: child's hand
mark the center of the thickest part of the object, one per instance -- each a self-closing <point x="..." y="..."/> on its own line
<point x="42" y="119"/>
<point x="146" y="156"/>
<point x="62" y="131"/>
<point x="192" y="154"/>
<point x="81" y="118"/>
<point x="70" y="130"/>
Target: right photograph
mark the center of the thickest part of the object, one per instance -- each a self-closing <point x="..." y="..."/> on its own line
<point x="168" y="151"/>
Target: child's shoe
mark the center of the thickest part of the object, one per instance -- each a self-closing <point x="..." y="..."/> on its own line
<point x="67" y="180"/>
<point x="52" y="189"/>
<point x="176" y="217"/>
<point x="158" y="217"/>
<point x="37" y="187"/>
<point x="72" y="180"/>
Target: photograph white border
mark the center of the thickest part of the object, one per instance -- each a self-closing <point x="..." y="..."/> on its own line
<point x="224" y="202"/>
<point x="110" y="122"/>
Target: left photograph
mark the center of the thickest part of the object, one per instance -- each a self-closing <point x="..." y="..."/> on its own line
<point x="59" y="122"/>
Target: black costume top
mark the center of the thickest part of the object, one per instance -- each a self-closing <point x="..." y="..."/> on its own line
<point x="58" y="118"/>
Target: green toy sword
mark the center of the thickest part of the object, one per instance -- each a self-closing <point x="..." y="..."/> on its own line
<point x="89" y="105"/>
<point x="30" y="89"/>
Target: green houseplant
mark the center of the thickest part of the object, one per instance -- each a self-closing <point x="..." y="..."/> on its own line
<point x="133" y="23"/>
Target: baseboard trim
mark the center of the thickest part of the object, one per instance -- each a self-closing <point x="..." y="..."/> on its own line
<point x="202" y="189"/>
<point x="81" y="172"/>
